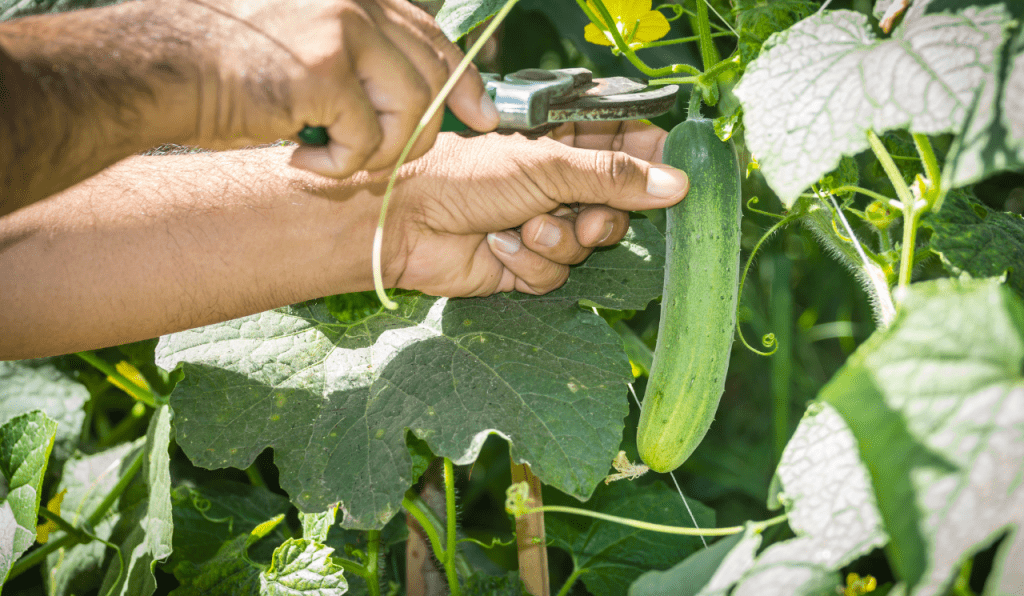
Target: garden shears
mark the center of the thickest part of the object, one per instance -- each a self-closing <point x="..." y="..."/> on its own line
<point x="533" y="101"/>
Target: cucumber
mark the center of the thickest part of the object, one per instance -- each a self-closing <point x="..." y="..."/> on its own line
<point x="698" y="306"/>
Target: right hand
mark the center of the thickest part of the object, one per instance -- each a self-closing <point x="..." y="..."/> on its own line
<point x="364" y="69"/>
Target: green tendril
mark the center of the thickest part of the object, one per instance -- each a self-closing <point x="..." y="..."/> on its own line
<point x="768" y="340"/>
<point x="753" y="201"/>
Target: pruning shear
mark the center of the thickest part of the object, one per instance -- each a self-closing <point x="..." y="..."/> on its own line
<point x="533" y="101"/>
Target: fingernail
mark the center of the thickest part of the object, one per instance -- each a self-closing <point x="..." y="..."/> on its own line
<point x="504" y="242"/>
<point x="547" y="235"/>
<point x="666" y="181"/>
<point x="608" y="229"/>
<point x="488" y="109"/>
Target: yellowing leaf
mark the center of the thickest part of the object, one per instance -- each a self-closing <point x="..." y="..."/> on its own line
<point x="53" y="506"/>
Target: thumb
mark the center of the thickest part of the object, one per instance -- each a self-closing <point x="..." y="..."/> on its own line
<point x="613" y="178"/>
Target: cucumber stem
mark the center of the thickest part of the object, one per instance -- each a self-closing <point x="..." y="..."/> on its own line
<point x="450" y="543"/>
<point x="911" y="211"/>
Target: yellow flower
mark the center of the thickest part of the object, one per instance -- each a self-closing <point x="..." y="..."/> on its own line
<point x="634" y="20"/>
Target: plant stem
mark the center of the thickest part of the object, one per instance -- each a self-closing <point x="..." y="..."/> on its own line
<point x="693" y="110"/>
<point x="63" y="524"/>
<point x="569" y="581"/>
<point x="670" y="42"/>
<point x="413" y="504"/>
<point x="932" y="172"/>
<point x="39" y="555"/>
<point x="640" y="525"/>
<point x="864" y="191"/>
<point x="911" y="212"/>
<point x="451" y="545"/>
<point x="139" y="393"/>
<point x="372" y="561"/>
<point x="255" y="478"/>
<point x="707" y="46"/>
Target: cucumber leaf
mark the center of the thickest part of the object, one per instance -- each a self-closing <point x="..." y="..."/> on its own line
<point x="302" y="567"/>
<point x="25" y="444"/>
<point x="228" y="573"/>
<point x="335" y="400"/>
<point x="818" y="87"/>
<point x="707" y="572"/>
<point x="828" y="497"/>
<point x="88" y="479"/>
<point x="972" y="238"/>
<point x="144" y="532"/>
<point x="614" y="555"/>
<point x="459" y="17"/>
<point x="27" y="385"/>
<point x="935" y="404"/>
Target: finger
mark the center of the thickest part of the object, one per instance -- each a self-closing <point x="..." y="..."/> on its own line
<point x="554" y="238"/>
<point x="354" y="135"/>
<point x="634" y="137"/>
<point x="468" y="100"/>
<point x="597" y="225"/>
<point x="431" y="65"/>
<point x="393" y="87"/>
<point x="534" y="273"/>
<point x="613" y="178"/>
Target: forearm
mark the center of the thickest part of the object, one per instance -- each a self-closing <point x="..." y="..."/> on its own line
<point x="155" y="245"/>
<point x="84" y="89"/>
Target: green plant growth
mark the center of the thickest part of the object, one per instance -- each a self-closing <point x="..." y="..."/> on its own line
<point x="878" y="449"/>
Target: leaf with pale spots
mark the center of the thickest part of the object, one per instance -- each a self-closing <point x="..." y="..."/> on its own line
<point x="818" y="87"/>
<point x="335" y="399"/>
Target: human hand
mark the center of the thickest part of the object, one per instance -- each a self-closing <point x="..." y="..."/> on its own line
<point x="453" y="210"/>
<point x="364" y="69"/>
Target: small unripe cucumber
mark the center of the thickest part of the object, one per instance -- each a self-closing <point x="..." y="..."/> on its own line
<point x="698" y="305"/>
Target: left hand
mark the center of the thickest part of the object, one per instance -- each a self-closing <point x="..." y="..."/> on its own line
<point x="453" y="210"/>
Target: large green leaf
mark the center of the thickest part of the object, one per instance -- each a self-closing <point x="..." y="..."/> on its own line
<point x="992" y="138"/>
<point x="830" y="506"/>
<point x="28" y="385"/>
<point x="335" y="400"/>
<point x="817" y="88"/>
<point x="228" y="573"/>
<point x="614" y="555"/>
<point x="935" y="402"/>
<point x="25" y="444"/>
<point x="144" y="532"/>
<point x="79" y="568"/>
<point x="971" y="238"/>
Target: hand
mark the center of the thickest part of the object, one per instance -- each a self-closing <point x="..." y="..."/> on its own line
<point x="453" y="211"/>
<point x="364" y="69"/>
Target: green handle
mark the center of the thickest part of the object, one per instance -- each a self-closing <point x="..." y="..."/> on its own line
<point x="314" y="135"/>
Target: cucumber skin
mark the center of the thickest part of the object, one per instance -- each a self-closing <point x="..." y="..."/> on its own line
<point x="698" y="308"/>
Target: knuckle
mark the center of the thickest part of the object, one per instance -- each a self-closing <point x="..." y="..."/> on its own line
<point x="616" y="170"/>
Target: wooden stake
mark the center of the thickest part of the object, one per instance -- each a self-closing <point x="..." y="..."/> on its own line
<point x="530" y="540"/>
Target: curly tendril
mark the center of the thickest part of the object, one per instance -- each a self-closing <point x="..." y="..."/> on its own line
<point x="753" y="201"/>
<point x="768" y="340"/>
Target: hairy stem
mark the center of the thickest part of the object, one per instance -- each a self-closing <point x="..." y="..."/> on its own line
<point x="935" y="193"/>
<point x="707" y="47"/>
<point x="372" y="561"/>
<point x="415" y="506"/>
<point x="451" y="545"/>
<point x="911" y="210"/>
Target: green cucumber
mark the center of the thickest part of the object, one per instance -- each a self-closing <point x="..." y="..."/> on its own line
<point x="698" y="305"/>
